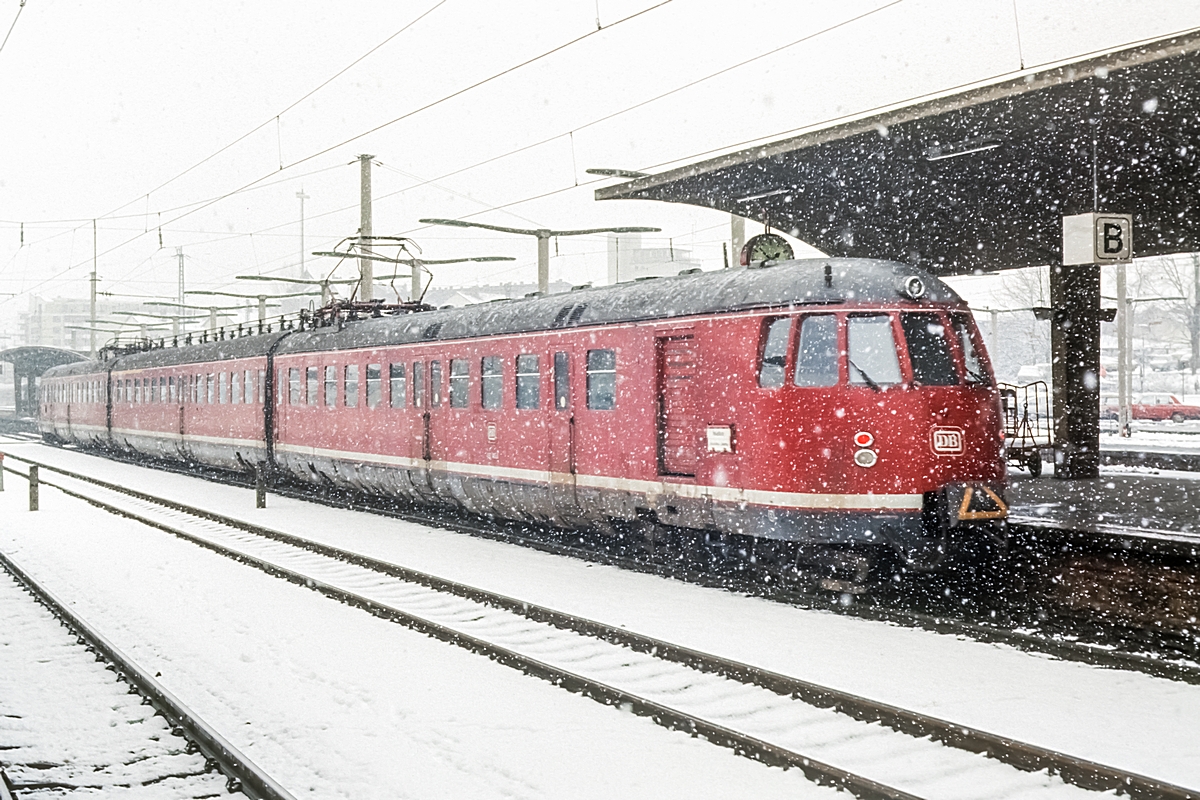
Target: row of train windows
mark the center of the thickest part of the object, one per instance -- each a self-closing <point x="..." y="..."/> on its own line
<point x="872" y="358"/>
<point x="239" y="386"/>
<point x="74" y="392"/>
<point x="406" y="383"/>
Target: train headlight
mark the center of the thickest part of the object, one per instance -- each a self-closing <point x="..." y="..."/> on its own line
<point x="913" y="287"/>
<point x="865" y="458"/>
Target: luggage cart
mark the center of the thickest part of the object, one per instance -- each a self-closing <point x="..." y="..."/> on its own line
<point x="1028" y="430"/>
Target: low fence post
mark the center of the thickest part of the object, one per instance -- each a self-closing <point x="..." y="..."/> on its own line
<point x="260" y="487"/>
<point x="33" y="488"/>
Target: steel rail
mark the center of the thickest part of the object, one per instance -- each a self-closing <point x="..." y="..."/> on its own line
<point x="241" y="773"/>
<point x="1068" y="650"/>
<point x="742" y="744"/>
<point x="1077" y="771"/>
<point x="1084" y="652"/>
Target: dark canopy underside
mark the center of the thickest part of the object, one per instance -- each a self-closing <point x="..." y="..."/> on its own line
<point x="36" y="360"/>
<point x="979" y="180"/>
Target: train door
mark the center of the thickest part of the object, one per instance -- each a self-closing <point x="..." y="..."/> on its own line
<point x="678" y="422"/>
<point x="562" y="439"/>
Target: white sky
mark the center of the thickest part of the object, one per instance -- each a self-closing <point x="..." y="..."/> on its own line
<point x="102" y="103"/>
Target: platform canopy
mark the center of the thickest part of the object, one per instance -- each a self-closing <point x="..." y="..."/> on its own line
<point x="979" y="179"/>
<point x="36" y="360"/>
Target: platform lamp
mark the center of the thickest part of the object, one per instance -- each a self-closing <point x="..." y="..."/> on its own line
<point x="213" y="311"/>
<point x="324" y="283"/>
<point x="261" y="298"/>
<point x="543" y="236"/>
<point x="177" y="321"/>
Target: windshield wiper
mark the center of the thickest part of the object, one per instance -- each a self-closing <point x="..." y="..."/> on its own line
<point x="978" y="377"/>
<point x="865" y="376"/>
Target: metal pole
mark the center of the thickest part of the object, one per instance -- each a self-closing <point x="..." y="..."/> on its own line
<point x="33" y="488"/>
<point x="416" y="281"/>
<point x="543" y="237"/>
<point x="175" y="324"/>
<point x="737" y="236"/>
<point x="92" y="324"/>
<point x="1123" y="376"/>
<point x="303" y="197"/>
<point x="1" y="472"/>
<point x="212" y="319"/>
<point x="262" y="308"/>
<point x="366" y="273"/>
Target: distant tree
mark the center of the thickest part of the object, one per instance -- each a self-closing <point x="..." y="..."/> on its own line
<point x="1182" y="276"/>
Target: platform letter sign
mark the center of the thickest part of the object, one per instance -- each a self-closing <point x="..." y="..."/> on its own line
<point x="1097" y="238"/>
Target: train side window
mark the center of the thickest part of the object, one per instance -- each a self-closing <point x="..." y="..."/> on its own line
<point x="492" y="382"/>
<point x="562" y="381"/>
<point x="529" y="382"/>
<point x="211" y="383"/>
<point x="774" y="352"/>
<point x="351" y="385"/>
<point x="374" y="389"/>
<point x="294" y="386"/>
<point x="816" y="352"/>
<point x="330" y="386"/>
<point x="174" y="389"/>
<point x="396" y="375"/>
<point x="418" y="384"/>
<point x="248" y="386"/>
<point x="928" y="350"/>
<point x="976" y="372"/>
<point x="223" y="385"/>
<point x="871" y="351"/>
<point x="460" y="382"/>
<point x="262" y="386"/>
<point x="435" y="384"/>
<point x="235" y="387"/>
<point x="311" y="385"/>
<point x="602" y="379"/>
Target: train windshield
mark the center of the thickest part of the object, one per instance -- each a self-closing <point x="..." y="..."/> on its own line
<point x="976" y="371"/>
<point x="928" y="350"/>
<point x="871" y="351"/>
<point x="816" y="351"/>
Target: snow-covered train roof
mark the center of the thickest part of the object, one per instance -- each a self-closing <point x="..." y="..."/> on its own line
<point x="772" y="284"/>
<point x="765" y="285"/>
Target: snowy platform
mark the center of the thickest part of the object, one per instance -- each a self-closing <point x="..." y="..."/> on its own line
<point x="1146" y="506"/>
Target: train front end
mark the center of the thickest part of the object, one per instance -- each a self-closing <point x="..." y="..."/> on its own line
<point x="880" y="418"/>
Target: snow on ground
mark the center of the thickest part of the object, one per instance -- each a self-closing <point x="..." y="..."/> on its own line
<point x="65" y="720"/>
<point x="1128" y="720"/>
<point x="336" y="703"/>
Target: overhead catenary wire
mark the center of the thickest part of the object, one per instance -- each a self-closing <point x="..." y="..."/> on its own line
<point x="445" y="98"/>
<point x="20" y="8"/>
<point x="275" y="117"/>
<point x="674" y="160"/>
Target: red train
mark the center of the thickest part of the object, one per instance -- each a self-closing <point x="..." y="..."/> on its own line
<point x="844" y="405"/>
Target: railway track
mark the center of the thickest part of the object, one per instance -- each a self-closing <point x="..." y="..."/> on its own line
<point x="157" y="761"/>
<point x="1030" y="630"/>
<point x="868" y="748"/>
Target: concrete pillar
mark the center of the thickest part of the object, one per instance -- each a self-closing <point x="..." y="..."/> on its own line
<point x="1075" y="353"/>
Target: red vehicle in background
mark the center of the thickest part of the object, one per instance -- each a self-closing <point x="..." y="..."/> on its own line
<point x="1152" y="405"/>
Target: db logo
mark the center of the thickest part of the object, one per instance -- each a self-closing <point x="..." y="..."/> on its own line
<point x="947" y="441"/>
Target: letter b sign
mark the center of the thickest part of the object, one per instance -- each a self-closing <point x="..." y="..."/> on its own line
<point x="1097" y="238"/>
<point x="1112" y="237"/>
